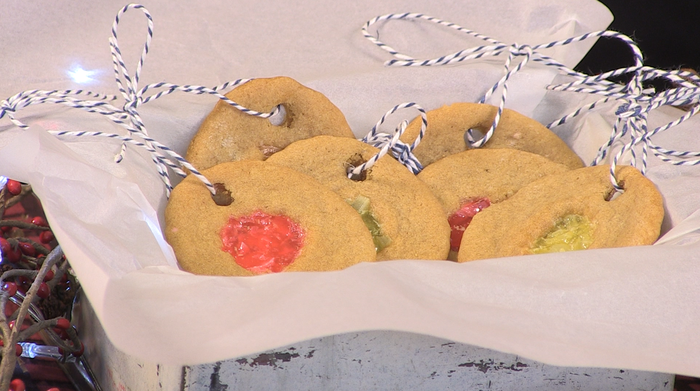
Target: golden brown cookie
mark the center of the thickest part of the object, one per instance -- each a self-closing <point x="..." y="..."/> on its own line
<point x="407" y="212"/>
<point x="227" y="134"/>
<point x="444" y="135"/>
<point x="310" y="225"/>
<point x="570" y="207"/>
<point x="469" y="181"/>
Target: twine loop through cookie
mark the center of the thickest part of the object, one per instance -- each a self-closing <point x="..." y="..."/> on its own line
<point x="401" y="151"/>
<point x="494" y="48"/>
<point x="634" y="105"/>
<point x="128" y="115"/>
<point x="634" y="100"/>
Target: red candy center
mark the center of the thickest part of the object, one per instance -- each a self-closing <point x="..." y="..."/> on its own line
<point x="262" y="243"/>
<point x="459" y="221"/>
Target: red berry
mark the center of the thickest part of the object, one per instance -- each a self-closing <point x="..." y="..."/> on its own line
<point x="80" y="351"/>
<point x="40" y="221"/>
<point x="49" y="275"/>
<point x="10" y="288"/>
<point x="27" y="249"/>
<point x="10" y="309"/>
<point x="61" y="333"/>
<point x="22" y="281"/>
<point x="5" y="229"/>
<point x="77" y="353"/>
<point x="23" y="284"/>
<point x="64" y="284"/>
<point x="43" y="290"/>
<point x="46" y="237"/>
<point x="17" y="385"/>
<point x="18" y="350"/>
<point x="5" y="245"/>
<point x="63" y="323"/>
<point x="13" y="255"/>
<point x="13" y="187"/>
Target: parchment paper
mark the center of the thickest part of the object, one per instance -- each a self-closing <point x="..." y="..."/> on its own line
<point x="632" y="308"/>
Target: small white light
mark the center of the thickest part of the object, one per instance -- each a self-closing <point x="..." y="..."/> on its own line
<point x="80" y="75"/>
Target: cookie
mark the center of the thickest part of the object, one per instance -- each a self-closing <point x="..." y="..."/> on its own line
<point x="404" y="209"/>
<point x="298" y="221"/>
<point x="469" y="181"/>
<point x="227" y="134"/>
<point x="447" y="125"/>
<point x="576" y="209"/>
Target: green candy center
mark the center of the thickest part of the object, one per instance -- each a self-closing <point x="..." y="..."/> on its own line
<point x="362" y="206"/>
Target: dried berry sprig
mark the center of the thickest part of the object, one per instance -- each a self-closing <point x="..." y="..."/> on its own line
<point x="62" y="270"/>
<point x="22" y="225"/>
<point x="37" y="284"/>
<point x="17" y="196"/>
<point x="56" y="331"/>
<point x="11" y="336"/>
<point x="33" y="247"/>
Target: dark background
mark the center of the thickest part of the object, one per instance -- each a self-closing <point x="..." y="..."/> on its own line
<point x="667" y="32"/>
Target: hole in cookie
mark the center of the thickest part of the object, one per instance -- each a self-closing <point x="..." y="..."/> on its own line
<point x="279" y="117"/>
<point x="614" y="193"/>
<point x="222" y="197"/>
<point x="476" y="135"/>
<point x="355" y="161"/>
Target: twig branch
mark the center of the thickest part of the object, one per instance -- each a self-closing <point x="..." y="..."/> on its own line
<point x="11" y="335"/>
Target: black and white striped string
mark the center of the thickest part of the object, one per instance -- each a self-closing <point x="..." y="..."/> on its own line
<point x="633" y="99"/>
<point x="386" y="142"/>
<point x="355" y="173"/>
<point x="494" y="48"/>
<point x="632" y="115"/>
<point x="127" y="116"/>
<point x="401" y="151"/>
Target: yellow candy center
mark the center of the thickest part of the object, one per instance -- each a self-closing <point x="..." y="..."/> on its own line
<point x="571" y="232"/>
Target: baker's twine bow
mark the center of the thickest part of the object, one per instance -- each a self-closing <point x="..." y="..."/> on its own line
<point x="634" y="101"/>
<point x="127" y="116"/>
<point x="401" y="151"/>
<point x="632" y="114"/>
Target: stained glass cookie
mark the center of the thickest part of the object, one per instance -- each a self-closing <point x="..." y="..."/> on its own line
<point x="227" y="134"/>
<point x="277" y="220"/>
<point x="404" y="215"/>
<point x="467" y="182"/>
<point x="573" y="210"/>
<point x="447" y="125"/>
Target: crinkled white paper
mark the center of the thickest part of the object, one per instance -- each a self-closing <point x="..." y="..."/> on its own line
<point x="632" y="308"/>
